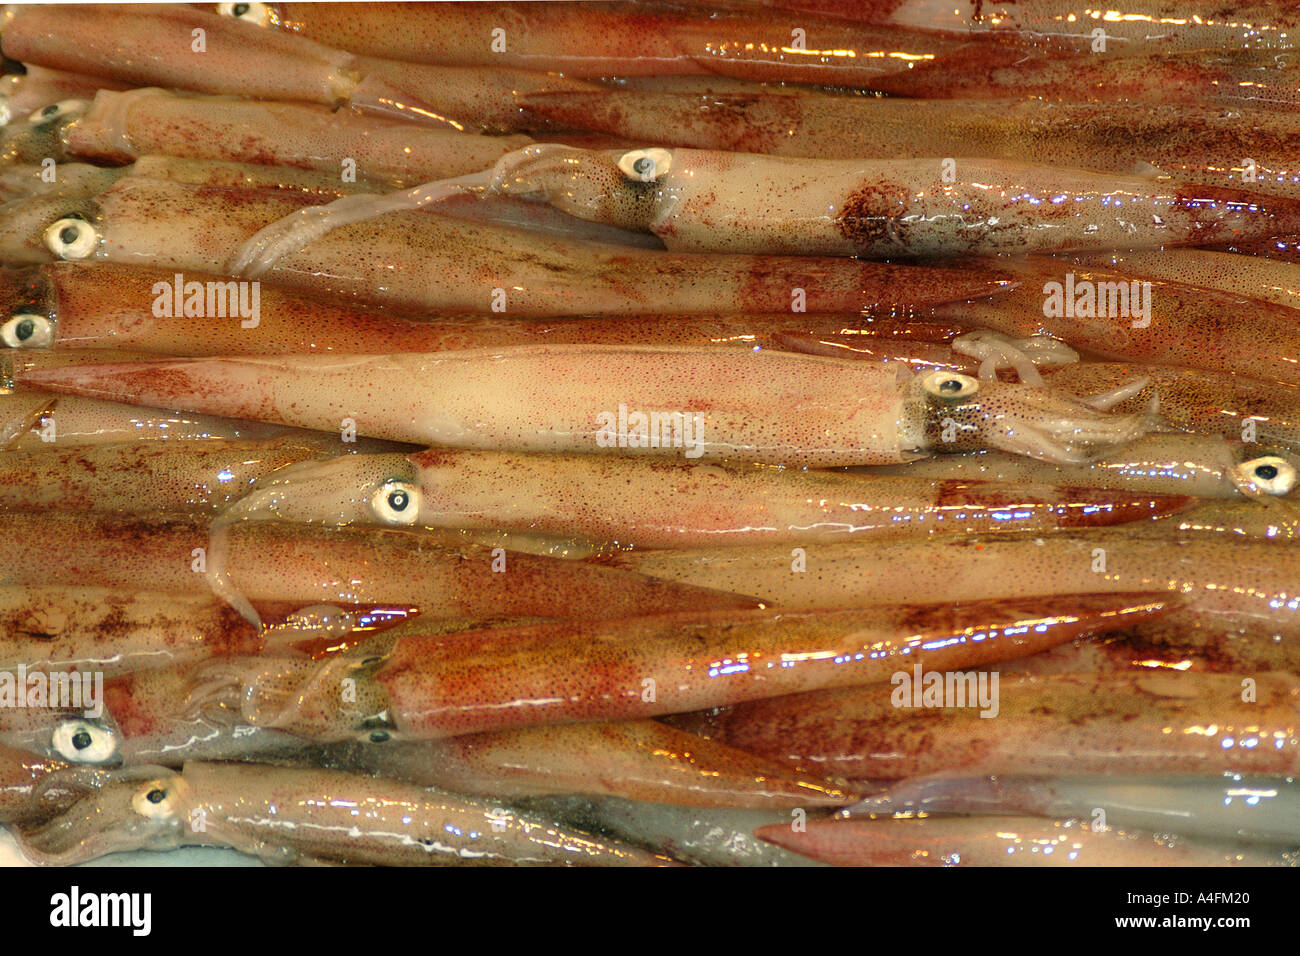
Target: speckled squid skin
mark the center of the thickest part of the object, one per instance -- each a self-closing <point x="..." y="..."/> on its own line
<point x="619" y="39"/>
<point x="124" y="126"/>
<point x="761" y="405"/>
<point x="147" y="478"/>
<point x="26" y="416"/>
<point x="1250" y="277"/>
<point x="143" y="47"/>
<point x="657" y="504"/>
<point x="636" y="760"/>
<point x="1192" y="143"/>
<point x="1189" y="326"/>
<point x="1240" y="596"/>
<point x="108" y="631"/>
<point x="1151" y="723"/>
<point x="1233" y="78"/>
<point x="509" y="677"/>
<point x="748" y="203"/>
<point x="419" y="260"/>
<point x="285" y="815"/>
<point x="1005" y="841"/>
<point x="1213" y="403"/>
<point x="1164" y="24"/>
<point x="1162" y="463"/>
<point x="108" y="304"/>
<point x="442" y="575"/>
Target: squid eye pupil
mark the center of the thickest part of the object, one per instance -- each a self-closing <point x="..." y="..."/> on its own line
<point x="379" y="736"/>
<point x="81" y="740"/>
<point x="240" y="9"/>
<point x="398" y="500"/>
<point x="156" y="796"/>
<point x="68" y="235"/>
<point x="24" y="329"/>
<point x="1266" y="472"/>
<point x="50" y="110"/>
<point x="644" y="165"/>
<point x="950" y="385"/>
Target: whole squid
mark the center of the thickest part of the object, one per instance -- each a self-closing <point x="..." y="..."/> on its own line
<point x="73" y="305"/>
<point x="284" y="815"/>
<point x="419" y="260"/>
<point x="663" y="504"/>
<point x="444" y="685"/>
<point x="708" y="201"/>
<point x="764" y="406"/>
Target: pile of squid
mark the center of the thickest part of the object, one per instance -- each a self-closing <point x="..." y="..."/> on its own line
<point x="737" y="432"/>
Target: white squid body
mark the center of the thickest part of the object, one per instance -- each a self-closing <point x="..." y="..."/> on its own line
<point x="704" y="200"/>
<point x="696" y="403"/>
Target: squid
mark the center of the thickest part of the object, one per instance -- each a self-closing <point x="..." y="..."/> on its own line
<point x="37" y="88"/>
<point x="1165" y="722"/>
<point x="121" y="127"/>
<point x="284" y="815"/>
<point x="445" y="685"/>
<point x="445" y="576"/>
<point x="76" y="305"/>
<point x="738" y="203"/>
<point x="1200" y="144"/>
<point x="1205" y="466"/>
<point x="1237" y="407"/>
<point x="32" y="420"/>
<point x="418" y="260"/>
<point x="1260" y="810"/>
<point x="156" y="47"/>
<point x="761" y="406"/>
<point x="148" y="478"/>
<point x="1228" y="79"/>
<point x="1248" y="277"/>
<point x="657" y="505"/>
<point x="23" y="794"/>
<point x="1117" y="317"/>
<point x="617" y="39"/>
<point x="1004" y="841"/>
<point x="636" y="760"/>
<point x="1182" y="25"/>
<point x="1241" y="607"/>
<point x="113" y="632"/>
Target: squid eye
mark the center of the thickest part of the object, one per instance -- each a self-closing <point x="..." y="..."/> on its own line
<point x="646" y="165"/>
<point x="27" y="330"/>
<point x="55" y="112"/>
<point x="71" y="238"/>
<point x="1270" y="474"/>
<point x="155" y="800"/>
<point x="950" y="386"/>
<point x="82" y="741"/>
<point x="258" y="13"/>
<point x="396" y="502"/>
